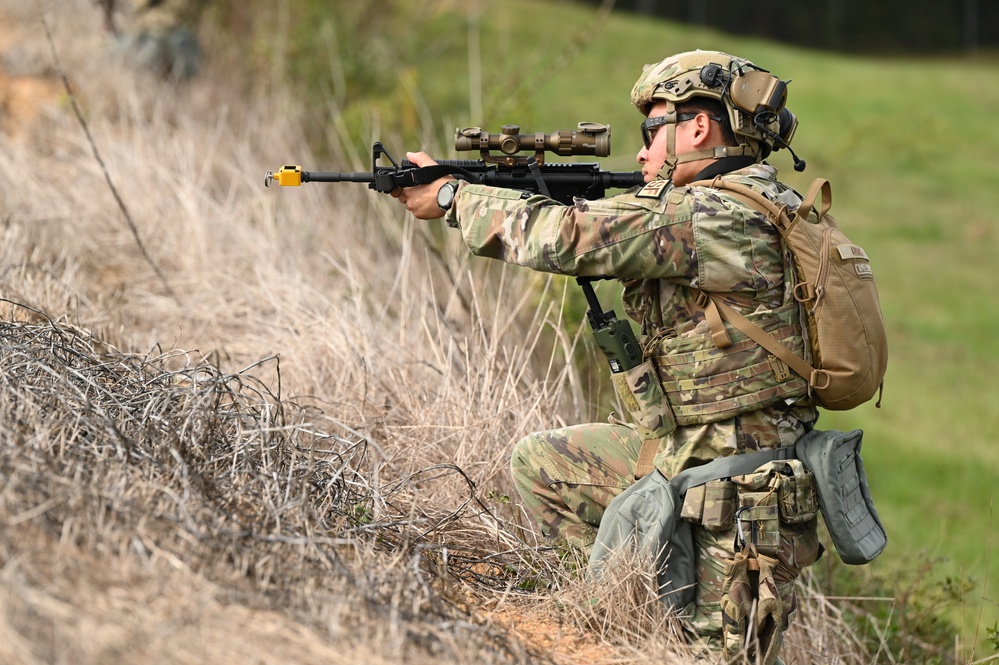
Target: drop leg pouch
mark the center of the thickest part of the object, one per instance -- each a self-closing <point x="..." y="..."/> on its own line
<point x="844" y="497"/>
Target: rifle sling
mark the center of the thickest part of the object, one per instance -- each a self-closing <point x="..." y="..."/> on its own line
<point x="425" y="175"/>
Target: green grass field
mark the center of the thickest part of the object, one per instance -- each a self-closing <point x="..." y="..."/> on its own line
<point x="909" y="144"/>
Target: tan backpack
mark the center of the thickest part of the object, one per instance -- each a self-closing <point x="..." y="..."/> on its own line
<point x="835" y="284"/>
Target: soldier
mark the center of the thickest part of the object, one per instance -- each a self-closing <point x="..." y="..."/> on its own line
<point x="667" y="242"/>
<point x="161" y="35"/>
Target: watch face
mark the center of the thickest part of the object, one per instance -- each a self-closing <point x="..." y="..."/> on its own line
<point x="445" y="195"/>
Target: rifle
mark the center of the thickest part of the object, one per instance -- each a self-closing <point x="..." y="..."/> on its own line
<point x="561" y="182"/>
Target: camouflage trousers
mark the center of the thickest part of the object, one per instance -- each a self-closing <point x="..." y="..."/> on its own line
<point x="567" y="477"/>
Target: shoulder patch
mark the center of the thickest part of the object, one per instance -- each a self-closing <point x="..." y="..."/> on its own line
<point x="653" y="190"/>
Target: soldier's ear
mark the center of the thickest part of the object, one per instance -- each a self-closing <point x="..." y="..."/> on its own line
<point x="701" y="125"/>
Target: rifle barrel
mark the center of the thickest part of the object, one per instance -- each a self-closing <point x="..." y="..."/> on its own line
<point x="329" y="176"/>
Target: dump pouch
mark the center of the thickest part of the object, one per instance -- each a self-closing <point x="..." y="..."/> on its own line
<point x="646" y="517"/>
<point x="844" y="498"/>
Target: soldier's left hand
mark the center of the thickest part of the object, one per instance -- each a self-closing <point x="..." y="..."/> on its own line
<point x="422" y="199"/>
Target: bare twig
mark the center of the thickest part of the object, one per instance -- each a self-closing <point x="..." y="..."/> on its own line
<point x="97" y="155"/>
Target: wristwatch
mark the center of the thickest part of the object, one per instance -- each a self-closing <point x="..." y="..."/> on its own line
<point x="445" y="195"/>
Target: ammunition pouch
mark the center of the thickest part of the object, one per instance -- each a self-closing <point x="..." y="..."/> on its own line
<point x="712" y="505"/>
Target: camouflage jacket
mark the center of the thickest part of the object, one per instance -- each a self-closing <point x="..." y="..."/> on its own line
<point x="664" y="243"/>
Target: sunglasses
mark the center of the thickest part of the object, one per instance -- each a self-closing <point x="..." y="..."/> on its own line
<point x="659" y="120"/>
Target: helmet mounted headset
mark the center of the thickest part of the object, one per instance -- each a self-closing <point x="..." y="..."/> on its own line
<point x="754" y="99"/>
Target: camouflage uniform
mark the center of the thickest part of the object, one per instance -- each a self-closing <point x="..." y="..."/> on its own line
<point x="664" y="243"/>
<point x="162" y="36"/>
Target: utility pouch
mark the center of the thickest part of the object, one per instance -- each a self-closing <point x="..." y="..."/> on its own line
<point x="719" y="505"/>
<point x="643" y="397"/>
<point x="757" y="520"/>
<point x="796" y="493"/>
<point x="712" y="505"/>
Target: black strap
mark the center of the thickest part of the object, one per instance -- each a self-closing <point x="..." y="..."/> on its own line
<point x="386" y="181"/>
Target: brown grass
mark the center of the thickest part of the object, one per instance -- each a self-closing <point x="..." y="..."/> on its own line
<point x="279" y="434"/>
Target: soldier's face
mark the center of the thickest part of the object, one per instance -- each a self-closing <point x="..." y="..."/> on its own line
<point x="653" y="157"/>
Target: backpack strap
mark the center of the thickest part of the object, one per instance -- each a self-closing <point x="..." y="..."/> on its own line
<point x="715" y="311"/>
<point x="726" y="467"/>
<point x="817" y="378"/>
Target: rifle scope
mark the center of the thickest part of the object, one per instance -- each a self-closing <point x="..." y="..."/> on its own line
<point x="591" y="138"/>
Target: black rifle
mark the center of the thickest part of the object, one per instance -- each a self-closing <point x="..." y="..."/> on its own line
<point x="560" y="182"/>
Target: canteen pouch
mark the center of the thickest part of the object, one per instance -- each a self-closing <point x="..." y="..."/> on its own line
<point x="844" y="498"/>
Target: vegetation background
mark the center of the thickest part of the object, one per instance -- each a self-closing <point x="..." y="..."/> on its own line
<point x="384" y="347"/>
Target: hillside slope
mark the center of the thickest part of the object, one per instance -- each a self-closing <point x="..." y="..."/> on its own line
<point x="242" y="424"/>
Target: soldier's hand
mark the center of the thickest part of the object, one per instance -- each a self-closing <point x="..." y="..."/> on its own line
<point x="422" y="199"/>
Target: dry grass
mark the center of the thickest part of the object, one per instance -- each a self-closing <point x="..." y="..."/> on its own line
<point x="312" y="478"/>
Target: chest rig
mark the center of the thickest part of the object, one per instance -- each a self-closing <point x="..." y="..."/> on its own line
<point x="704" y="383"/>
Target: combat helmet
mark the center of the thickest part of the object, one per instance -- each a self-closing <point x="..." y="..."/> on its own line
<point x="754" y="99"/>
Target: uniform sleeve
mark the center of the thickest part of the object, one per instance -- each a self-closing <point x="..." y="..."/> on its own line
<point x="624" y="236"/>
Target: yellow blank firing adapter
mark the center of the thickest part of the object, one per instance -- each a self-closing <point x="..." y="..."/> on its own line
<point x="287" y="176"/>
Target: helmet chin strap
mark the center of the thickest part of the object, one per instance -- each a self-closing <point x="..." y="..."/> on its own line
<point x="669" y="165"/>
<point x="718" y="152"/>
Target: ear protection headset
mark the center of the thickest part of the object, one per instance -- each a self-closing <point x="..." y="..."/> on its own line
<point x="755" y="99"/>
